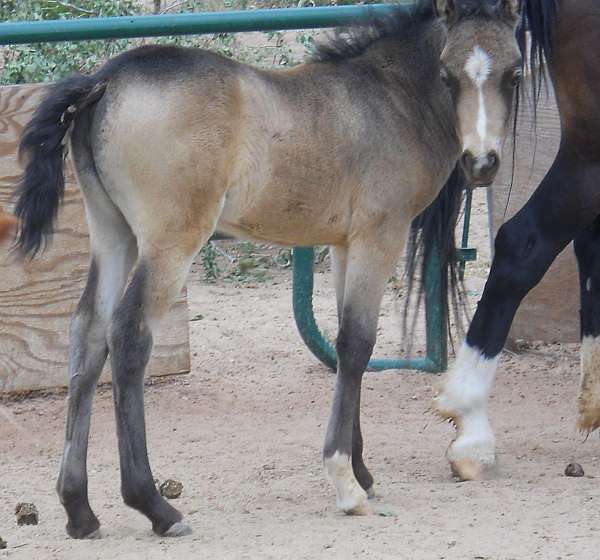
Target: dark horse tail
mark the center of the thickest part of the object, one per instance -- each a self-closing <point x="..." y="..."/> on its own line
<point x="41" y="187"/>
<point x="539" y="19"/>
<point x="433" y="230"/>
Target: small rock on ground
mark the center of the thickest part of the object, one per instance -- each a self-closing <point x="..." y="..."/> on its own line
<point x="27" y="514"/>
<point x="574" y="469"/>
<point x="2" y="543"/>
<point x="171" y="489"/>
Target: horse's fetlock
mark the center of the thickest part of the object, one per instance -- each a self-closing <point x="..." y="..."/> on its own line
<point x="138" y="496"/>
<point x="71" y="491"/>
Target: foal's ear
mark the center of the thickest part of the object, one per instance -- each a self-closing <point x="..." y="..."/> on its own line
<point x="509" y="9"/>
<point x="445" y="10"/>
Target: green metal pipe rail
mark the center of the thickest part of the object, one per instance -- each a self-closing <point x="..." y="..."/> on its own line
<point x="260" y="20"/>
<point x="124" y="27"/>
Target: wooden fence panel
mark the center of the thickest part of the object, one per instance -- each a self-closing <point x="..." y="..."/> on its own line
<point x="37" y="298"/>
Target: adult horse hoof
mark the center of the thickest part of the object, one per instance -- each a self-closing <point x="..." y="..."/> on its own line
<point x="466" y="469"/>
<point x="178" y="529"/>
<point x="588" y="420"/>
<point x="371" y="492"/>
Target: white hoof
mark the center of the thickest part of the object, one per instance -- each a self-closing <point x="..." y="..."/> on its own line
<point x="473" y="449"/>
<point x="351" y="498"/>
<point x="179" y="529"/>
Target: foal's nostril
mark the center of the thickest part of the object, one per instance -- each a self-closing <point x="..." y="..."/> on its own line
<point x="493" y="161"/>
<point x="480" y="169"/>
<point x="467" y="160"/>
<point x="486" y="165"/>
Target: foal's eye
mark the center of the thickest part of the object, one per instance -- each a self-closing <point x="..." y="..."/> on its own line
<point x="515" y="78"/>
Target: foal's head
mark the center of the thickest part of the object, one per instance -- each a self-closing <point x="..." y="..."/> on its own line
<point x="481" y="65"/>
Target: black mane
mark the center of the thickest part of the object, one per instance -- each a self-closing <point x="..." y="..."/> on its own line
<point x="403" y="21"/>
<point x="348" y="42"/>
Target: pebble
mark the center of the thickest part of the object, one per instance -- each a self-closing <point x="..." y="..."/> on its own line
<point x="574" y="469"/>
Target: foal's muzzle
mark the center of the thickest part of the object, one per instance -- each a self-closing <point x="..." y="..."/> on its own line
<point x="480" y="170"/>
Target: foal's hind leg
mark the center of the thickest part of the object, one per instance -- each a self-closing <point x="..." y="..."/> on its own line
<point x="368" y="267"/>
<point x="113" y="251"/>
<point x="157" y="279"/>
<point x="587" y="250"/>
<point x="339" y="258"/>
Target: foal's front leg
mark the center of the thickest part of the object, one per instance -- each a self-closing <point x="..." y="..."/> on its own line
<point x="367" y="269"/>
<point x="339" y="263"/>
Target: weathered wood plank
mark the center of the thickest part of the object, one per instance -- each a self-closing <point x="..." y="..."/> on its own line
<point x="551" y="311"/>
<point x="37" y="298"/>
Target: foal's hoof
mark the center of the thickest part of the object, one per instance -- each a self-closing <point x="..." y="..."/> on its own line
<point x="178" y="529"/>
<point x="91" y="531"/>
<point x="371" y="492"/>
<point x="351" y="497"/>
<point x="364" y="508"/>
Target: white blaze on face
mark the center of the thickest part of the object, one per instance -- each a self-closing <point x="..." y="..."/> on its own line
<point x="478" y="67"/>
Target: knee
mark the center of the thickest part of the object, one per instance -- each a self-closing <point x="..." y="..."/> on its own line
<point x="354" y="347"/>
<point x="518" y="256"/>
<point x="137" y="496"/>
<point x="587" y="247"/>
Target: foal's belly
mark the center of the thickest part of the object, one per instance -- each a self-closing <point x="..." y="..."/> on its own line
<point x="286" y="216"/>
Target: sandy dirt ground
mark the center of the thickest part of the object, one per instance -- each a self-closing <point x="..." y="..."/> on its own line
<point x="244" y="430"/>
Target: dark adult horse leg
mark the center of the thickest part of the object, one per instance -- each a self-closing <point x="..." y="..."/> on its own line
<point x="562" y="209"/>
<point x="566" y="201"/>
<point x="587" y="250"/>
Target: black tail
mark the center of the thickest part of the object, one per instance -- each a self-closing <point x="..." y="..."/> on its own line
<point x="41" y="187"/>
<point x="535" y="36"/>
<point x="433" y="230"/>
<point x="539" y="18"/>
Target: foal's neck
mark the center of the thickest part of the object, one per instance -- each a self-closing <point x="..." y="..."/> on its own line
<point x="411" y="66"/>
